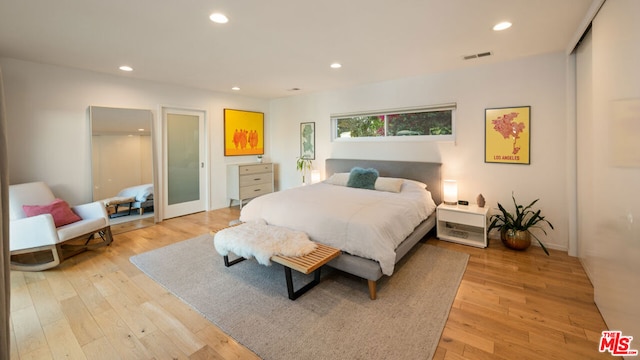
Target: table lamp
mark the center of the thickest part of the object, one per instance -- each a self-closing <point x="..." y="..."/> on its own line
<point x="450" y="192"/>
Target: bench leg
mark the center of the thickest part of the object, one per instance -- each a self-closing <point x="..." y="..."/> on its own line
<point x="228" y="263"/>
<point x="296" y="294"/>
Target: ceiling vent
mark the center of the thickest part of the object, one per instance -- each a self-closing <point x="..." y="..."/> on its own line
<point x="474" y="56"/>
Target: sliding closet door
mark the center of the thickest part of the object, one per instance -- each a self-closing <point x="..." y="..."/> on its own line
<point x="608" y="141"/>
<point x="185" y="180"/>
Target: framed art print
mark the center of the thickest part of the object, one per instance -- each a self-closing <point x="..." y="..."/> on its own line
<point x="507" y="135"/>
<point x="243" y="132"/>
<point x="308" y="140"/>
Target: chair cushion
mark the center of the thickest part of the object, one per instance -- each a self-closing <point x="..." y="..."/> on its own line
<point x="80" y="228"/>
<point x="59" y="209"/>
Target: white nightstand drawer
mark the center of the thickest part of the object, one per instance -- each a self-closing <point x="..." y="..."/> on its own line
<point x="254" y="179"/>
<point x="462" y="218"/>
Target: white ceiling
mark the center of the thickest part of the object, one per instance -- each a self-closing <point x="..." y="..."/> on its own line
<point x="271" y="46"/>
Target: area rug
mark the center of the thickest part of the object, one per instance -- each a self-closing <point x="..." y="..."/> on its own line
<point x="334" y="320"/>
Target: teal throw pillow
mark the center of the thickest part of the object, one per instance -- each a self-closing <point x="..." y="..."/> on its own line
<point x="363" y="178"/>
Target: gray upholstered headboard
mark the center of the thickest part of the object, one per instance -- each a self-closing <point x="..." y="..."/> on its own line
<point x="428" y="173"/>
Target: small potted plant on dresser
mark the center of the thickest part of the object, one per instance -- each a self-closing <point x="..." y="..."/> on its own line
<point x="514" y="227"/>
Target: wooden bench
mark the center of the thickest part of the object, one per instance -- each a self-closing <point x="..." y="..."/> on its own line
<point x="112" y="204"/>
<point x="312" y="262"/>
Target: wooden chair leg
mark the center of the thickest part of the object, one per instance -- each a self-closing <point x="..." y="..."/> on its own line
<point x="372" y="289"/>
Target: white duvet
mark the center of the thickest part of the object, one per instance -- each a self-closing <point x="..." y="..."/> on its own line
<point x="366" y="223"/>
<point x="142" y="193"/>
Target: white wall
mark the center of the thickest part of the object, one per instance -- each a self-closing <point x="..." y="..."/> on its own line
<point x="609" y="163"/>
<point x="46" y="111"/>
<point x="48" y="125"/>
<point x="536" y="81"/>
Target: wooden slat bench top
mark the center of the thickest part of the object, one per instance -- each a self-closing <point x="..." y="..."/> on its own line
<point x="307" y="264"/>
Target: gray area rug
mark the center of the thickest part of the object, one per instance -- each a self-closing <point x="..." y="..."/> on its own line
<point x="334" y="320"/>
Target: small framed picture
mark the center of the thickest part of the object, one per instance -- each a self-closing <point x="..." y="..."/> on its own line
<point x="507" y="135"/>
<point x="308" y="140"/>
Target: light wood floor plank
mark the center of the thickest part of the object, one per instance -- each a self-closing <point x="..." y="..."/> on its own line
<point x="45" y="303"/>
<point x="62" y="341"/>
<point x="100" y="349"/>
<point x="83" y="324"/>
<point x="123" y="339"/>
<point x="180" y="335"/>
<point x="510" y="305"/>
<point x="28" y="331"/>
<point x="162" y="346"/>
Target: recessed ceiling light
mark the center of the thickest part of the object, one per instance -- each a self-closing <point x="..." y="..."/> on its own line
<point x="502" y="26"/>
<point x="140" y="129"/>
<point x="235" y="88"/>
<point x="336" y="66"/>
<point x="126" y="68"/>
<point x="219" y="18"/>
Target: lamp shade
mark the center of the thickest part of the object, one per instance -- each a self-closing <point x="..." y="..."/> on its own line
<point x="450" y="192"/>
<point x="315" y="176"/>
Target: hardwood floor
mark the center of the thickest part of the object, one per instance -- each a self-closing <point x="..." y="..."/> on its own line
<point x="97" y="305"/>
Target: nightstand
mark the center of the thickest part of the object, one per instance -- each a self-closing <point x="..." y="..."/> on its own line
<point x="463" y="224"/>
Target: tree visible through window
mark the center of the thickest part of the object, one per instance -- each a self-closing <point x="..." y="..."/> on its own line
<point x="361" y="126"/>
<point x="421" y="122"/>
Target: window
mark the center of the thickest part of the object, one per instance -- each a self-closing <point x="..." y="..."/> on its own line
<point x="434" y="122"/>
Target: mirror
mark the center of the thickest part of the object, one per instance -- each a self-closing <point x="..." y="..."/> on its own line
<point x="122" y="165"/>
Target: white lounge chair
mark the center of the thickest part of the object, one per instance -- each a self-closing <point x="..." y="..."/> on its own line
<point x="39" y="233"/>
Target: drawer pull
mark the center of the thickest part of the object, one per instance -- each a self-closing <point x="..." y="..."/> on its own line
<point x="257" y="190"/>
<point x="256" y="179"/>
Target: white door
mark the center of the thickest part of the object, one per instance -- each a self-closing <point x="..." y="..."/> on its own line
<point x="184" y="151"/>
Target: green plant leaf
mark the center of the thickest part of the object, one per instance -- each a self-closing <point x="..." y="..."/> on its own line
<point x="523" y="219"/>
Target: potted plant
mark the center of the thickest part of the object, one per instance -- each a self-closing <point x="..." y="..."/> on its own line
<point x="303" y="164"/>
<point x="514" y="228"/>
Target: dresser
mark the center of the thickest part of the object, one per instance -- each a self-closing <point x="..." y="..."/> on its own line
<point x="246" y="181"/>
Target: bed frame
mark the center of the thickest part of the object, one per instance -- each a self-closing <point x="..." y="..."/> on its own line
<point x="428" y="173"/>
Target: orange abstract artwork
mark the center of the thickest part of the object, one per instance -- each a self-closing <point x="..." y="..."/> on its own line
<point x="243" y="132"/>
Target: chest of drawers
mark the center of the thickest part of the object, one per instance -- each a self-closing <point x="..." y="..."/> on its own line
<point x="247" y="181"/>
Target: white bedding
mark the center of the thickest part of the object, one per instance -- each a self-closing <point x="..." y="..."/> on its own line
<point x="366" y="223"/>
<point x="142" y="193"/>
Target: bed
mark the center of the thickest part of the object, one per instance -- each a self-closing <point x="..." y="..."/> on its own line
<point x="371" y="240"/>
<point x="143" y="195"/>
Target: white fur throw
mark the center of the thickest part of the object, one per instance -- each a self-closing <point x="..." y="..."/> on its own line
<point x="262" y="241"/>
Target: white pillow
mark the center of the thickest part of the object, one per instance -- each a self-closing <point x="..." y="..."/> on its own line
<point x="389" y="184"/>
<point x="339" y="179"/>
<point x="415" y="183"/>
<point x="382" y="183"/>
